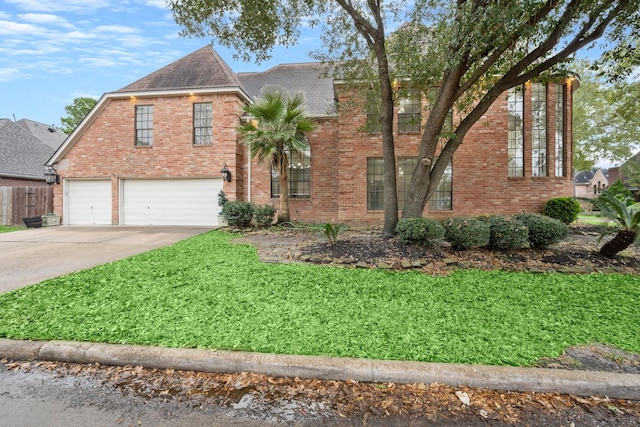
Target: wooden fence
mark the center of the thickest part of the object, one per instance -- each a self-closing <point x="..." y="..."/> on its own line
<point x="21" y="202"/>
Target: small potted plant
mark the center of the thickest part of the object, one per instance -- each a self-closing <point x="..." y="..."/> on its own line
<point x="222" y="199"/>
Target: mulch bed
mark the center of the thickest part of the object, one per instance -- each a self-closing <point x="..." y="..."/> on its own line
<point x="366" y="248"/>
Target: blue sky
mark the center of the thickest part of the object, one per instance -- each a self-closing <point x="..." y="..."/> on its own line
<point x="52" y="51"/>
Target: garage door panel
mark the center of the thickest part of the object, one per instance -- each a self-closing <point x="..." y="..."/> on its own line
<point x="89" y="202"/>
<point x="171" y="202"/>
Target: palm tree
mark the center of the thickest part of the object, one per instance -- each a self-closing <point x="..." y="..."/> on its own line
<point x="276" y="126"/>
<point x="625" y="214"/>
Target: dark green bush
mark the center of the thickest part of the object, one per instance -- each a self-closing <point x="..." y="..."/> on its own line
<point x="423" y="231"/>
<point x="565" y="209"/>
<point x="543" y="230"/>
<point x="465" y="233"/>
<point x="507" y="233"/>
<point x="238" y="214"/>
<point x="263" y="215"/>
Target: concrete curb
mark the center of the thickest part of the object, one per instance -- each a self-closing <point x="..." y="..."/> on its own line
<point x="584" y="383"/>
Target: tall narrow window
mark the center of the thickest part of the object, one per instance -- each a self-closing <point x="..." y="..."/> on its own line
<point x="442" y="199"/>
<point x="298" y="175"/>
<point x="406" y="165"/>
<point x="375" y="183"/>
<point x="515" y="144"/>
<point x="538" y="129"/>
<point x="409" y="111"/>
<point x="560" y="130"/>
<point x="144" y="125"/>
<point x="202" y="123"/>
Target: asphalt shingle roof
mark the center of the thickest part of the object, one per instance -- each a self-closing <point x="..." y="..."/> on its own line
<point x="22" y="155"/>
<point x="50" y="135"/>
<point x="201" y="69"/>
<point x="306" y="78"/>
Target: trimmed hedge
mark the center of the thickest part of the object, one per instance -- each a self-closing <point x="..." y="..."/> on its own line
<point x="423" y="231"/>
<point x="543" y="230"/>
<point x="466" y="233"/>
<point x="263" y="215"/>
<point x="564" y="209"/>
<point x="506" y="233"/>
<point x="238" y="214"/>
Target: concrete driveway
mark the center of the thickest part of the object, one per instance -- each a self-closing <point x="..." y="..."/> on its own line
<point x="36" y="254"/>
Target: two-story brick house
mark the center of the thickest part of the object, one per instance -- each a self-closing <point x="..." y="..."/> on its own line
<point x="151" y="152"/>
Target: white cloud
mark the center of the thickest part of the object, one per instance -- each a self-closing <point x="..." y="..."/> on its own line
<point x="59" y="5"/>
<point x="45" y="18"/>
<point x="15" y="28"/>
<point x="8" y="74"/>
<point x="117" y="29"/>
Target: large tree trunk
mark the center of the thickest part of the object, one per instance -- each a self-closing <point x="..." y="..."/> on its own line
<point x="619" y="243"/>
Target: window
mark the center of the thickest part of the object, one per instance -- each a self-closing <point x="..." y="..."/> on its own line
<point x="409" y="111"/>
<point x="144" y="125"/>
<point x="515" y="107"/>
<point x="441" y="199"/>
<point x="298" y="175"/>
<point x="375" y="183"/>
<point x="559" y="130"/>
<point x="202" y="124"/>
<point x="538" y="129"/>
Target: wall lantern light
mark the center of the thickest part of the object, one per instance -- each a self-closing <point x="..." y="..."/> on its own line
<point x="51" y="177"/>
<point x="226" y="173"/>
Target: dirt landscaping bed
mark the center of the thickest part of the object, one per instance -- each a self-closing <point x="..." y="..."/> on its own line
<point x="365" y="248"/>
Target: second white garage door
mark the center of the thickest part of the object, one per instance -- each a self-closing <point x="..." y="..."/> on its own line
<point x="170" y="201"/>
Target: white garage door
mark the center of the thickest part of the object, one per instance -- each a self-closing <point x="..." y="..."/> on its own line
<point x="171" y="201"/>
<point x="88" y="202"/>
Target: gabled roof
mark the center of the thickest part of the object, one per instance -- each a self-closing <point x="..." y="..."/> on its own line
<point x="586" y="177"/>
<point x="22" y="155"/>
<point x="201" y="69"/>
<point x="306" y="78"/>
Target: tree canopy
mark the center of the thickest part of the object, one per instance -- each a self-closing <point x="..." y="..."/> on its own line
<point x="606" y="123"/>
<point x="472" y="50"/>
<point x="76" y="112"/>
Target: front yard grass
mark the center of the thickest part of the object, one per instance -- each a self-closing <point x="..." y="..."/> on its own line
<point x="209" y="293"/>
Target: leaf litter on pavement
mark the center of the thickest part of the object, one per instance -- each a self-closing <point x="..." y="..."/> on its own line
<point x="431" y="403"/>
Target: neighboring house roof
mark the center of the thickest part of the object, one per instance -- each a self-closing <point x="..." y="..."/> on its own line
<point x="306" y="78"/>
<point x="50" y="135"/>
<point x="22" y="154"/>
<point x="587" y="177"/>
<point x="201" y="69"/>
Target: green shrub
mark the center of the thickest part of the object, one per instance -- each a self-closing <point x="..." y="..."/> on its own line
<point x="465" y="233"/>
<point x="423" y="231"/>
<point x="617" y="189"/>
<point x="565" y="209"/>
<point x="543" y="230"/>
<point x="263" y="215"/>
<point x="222" y="198"/>
<point x="507" y="233"/>
<point x="238" y="214"/>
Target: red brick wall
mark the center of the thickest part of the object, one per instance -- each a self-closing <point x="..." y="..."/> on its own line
<point x="106" y="148"/>
<point x="481" y="184"/>
<point x="339" y="152"/>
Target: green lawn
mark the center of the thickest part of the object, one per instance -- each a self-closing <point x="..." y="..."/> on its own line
<point x="8" y="228"/>
<point x="206" y="292"/>
<point x="594" y="219"/>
